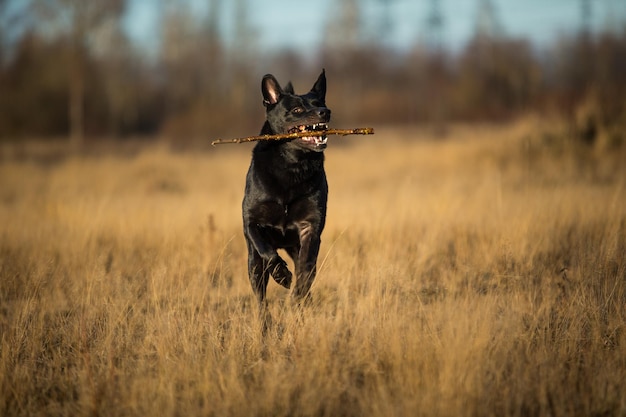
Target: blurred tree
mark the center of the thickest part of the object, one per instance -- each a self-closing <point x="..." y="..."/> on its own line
<point x="71" y="67"/>
<point x="595" y="91"/>
<point x="14" y="23"/>
<point x="243" y="56"/>
<point x="3" y="6"/>
<point x="32" y="101"/>
<point x="79" y="20"/>
<point x="179" y="55"/>
<point x="206" y="85"/>
<point x="488" y="24"/>
<point x="342" y="55"/>
<point x="437" y="72"/>
<point x="498" y="78"/>
<point x="435" y="27"/>
<point x="129" y="97"/>
<point x="344" y="30"/>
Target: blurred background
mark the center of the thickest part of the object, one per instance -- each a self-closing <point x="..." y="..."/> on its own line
<point x="190" y="70"/>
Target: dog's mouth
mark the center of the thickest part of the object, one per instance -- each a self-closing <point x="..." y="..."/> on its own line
<point x="313" y="139"/>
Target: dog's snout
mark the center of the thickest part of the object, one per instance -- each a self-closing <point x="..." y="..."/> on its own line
<point x="323" y="113"/>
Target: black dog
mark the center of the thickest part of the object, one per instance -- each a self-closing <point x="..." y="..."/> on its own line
<point x="284" y="206"/>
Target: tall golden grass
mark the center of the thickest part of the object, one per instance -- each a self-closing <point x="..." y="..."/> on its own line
<point x="479" y="275"/>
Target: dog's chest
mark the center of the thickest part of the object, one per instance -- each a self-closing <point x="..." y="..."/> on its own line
<point x="283" y="193"/>
<point x="283" y="215"/>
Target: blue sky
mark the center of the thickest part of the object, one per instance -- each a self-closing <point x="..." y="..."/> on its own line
<point x="300" y="25"/>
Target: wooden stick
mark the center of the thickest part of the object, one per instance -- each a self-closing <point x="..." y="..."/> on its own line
<point x="340" y="132"/>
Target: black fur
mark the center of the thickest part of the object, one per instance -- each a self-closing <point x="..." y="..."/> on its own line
<point x="284" y="206"/>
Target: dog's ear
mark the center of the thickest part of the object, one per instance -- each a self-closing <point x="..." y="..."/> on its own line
<point x="289" y="88"/>
<point x="271" y="90"/>
<point x="319" y="88"/>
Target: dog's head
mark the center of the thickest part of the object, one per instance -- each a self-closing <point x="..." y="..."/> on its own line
<point x="288" y="112"/>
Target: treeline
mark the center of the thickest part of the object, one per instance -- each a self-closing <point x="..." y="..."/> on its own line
<point x="91" y="81"/>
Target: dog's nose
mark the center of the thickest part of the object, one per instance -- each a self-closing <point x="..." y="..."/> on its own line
<point x="323" y="113"/>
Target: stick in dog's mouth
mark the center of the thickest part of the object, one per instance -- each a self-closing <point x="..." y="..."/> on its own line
<point x="318" y="140"/>
<point x="298" y="134"/>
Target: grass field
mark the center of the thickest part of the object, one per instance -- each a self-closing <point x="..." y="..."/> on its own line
<point x="479" y="275"/>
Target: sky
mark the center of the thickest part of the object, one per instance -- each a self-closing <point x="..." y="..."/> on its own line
<point x="301" y="25"/>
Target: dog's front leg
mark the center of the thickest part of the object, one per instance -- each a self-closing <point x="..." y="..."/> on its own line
<point x="259" y="277"/>
<point x="272" y="262"/>
<point x="306" y="267"/>
<point x="258" y="273"/>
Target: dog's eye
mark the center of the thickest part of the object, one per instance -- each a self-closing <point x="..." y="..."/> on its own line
<point x="297" y="110"/>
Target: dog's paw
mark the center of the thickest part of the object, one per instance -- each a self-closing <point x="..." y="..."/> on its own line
<point x="282" y="275"/>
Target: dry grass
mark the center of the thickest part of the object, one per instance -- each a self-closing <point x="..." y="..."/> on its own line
<point x="482" y="275"/>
